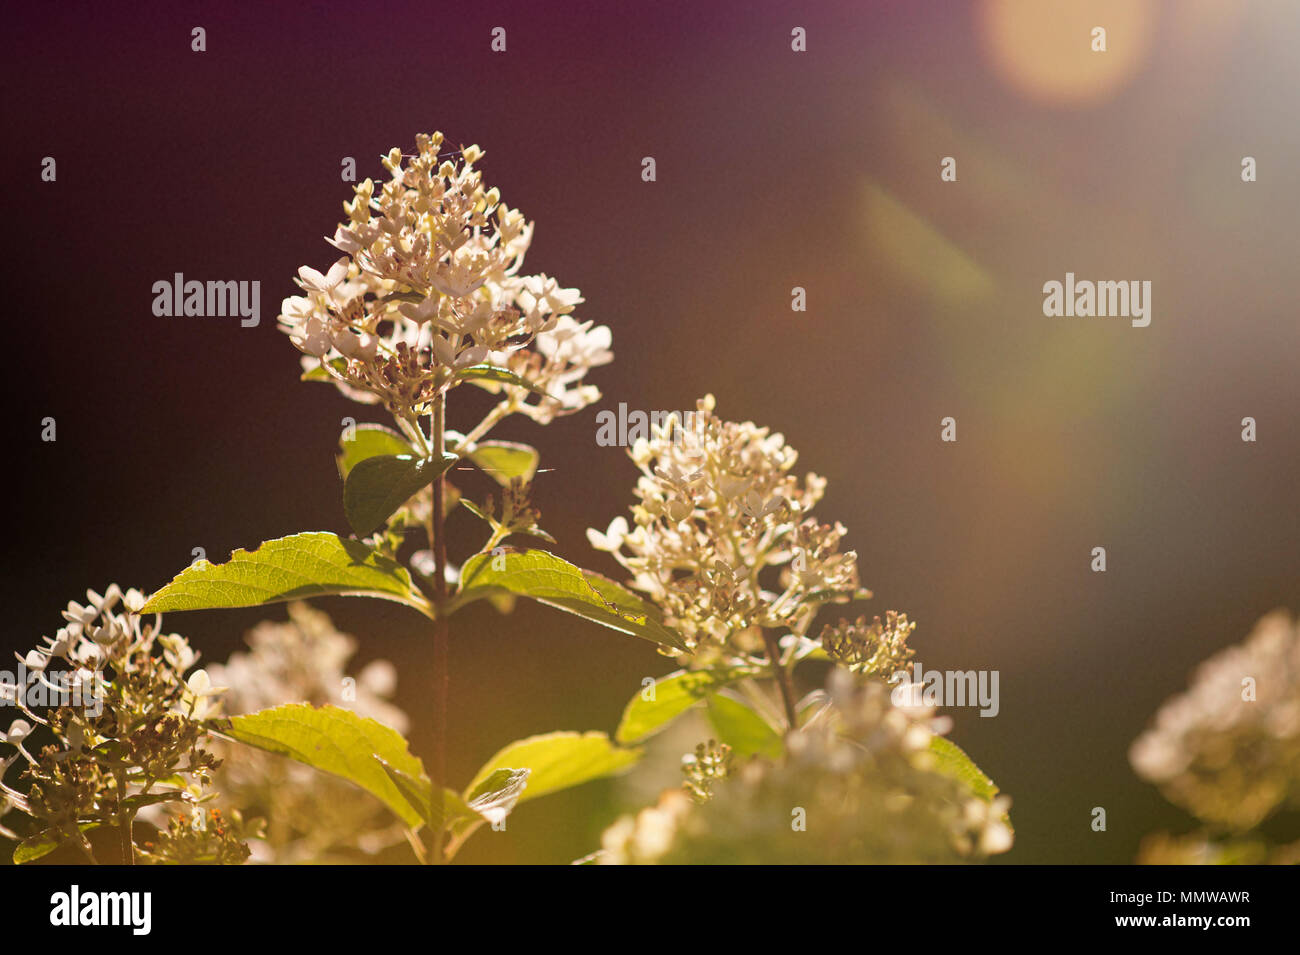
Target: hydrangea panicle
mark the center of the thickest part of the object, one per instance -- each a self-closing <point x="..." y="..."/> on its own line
<point x="429" y="286"/>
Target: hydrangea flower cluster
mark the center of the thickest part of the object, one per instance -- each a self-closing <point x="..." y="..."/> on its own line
<point x="1228" y="749"/>
<point x="130" y="736"/>
<point x="722" y="537"/>
<point x="429" y="287"/>
<point x="857" y="785"/>
<point x="873" y="649"/>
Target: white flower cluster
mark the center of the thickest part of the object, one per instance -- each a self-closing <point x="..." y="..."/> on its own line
<point x="718" y="506"/>
<point x="99" y="637"/>
<point x="429" y="286"/>
<point x="1228" y="749"/>
<point x="129" y="723"/>
<point x="858" y="784"/>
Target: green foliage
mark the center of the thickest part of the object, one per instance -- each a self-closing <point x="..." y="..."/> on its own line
<point x="368" y="441"/>
<point x="418" y="793"/>
<point x="321" y="373"/>
<point x="377" y="486"/>
<point x="558" y="761"/>
<point x="951" y="760"/>
<point x="311" y="564"/>
<point x="492" y="378"/>
<point x="42" y="844"/>
<point x="336" y="741"/>
<point x="550" y="580"/>
<point x="496" y="795"/>
<point x="744" y="730"/>
<point x="673" y="695"/>
<point x="504" y="461"/>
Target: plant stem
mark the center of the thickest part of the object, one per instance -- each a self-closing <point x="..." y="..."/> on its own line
<point x="125" y="823"/>
<point x="128" y="846"/>
<point x="782" y="678"/>
<point x="441" y="678"/>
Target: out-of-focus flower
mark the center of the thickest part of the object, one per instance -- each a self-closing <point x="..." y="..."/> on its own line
<point x="429" y="285"/>
<point x="310" y="816"/>
<point x="859" y="785"/>
<point x="1228" y="749"/>
<point x="1198" y="848"/>
<point x="710" y="762"/>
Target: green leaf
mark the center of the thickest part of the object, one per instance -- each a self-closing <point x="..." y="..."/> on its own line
<point x="673" y="695"/>
<point x="313" y="564"/>
<point x="413" y="297"/>
<point x="505" y="461"/>
<point x="379" y="485"/>
<point x="747" y="733"/>
<point x="141" y="800"/>
<point x="557" y="583"/>
<point x="491" y="377"/>
<point x="368" y="441"/>
<point x="557" y="761"/>
<point x="951" y="760"/>
<point x="489" y="801"/>
<point x="499" y="529"/>
<point x="418" y="792"/>
<point x="336" y="741"/>
<point x="42" y="844"/>
<point x="319" y="373"/>
<point x="496" y="795"/>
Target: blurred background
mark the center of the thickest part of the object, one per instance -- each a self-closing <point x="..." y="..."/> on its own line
<point x="775" y="169"/>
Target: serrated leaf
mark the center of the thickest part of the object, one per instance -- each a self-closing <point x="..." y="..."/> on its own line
<point x="40" y="845"/>
<point x="491" y="377"/>
<point x="558" y="761"/>
<point x="747" y="733"/>
<point x="951" y="760"/>
<point x="368" y="441"/>
<point x="673" y="695"/>
<point x="140" y="800"/>
<point x="495" y="796"/>
<point x="555" y="582"/>
<point x="335" y="741"/>
<point x="379" y="485"/>
<point x="312" y="564"/>
<point x="418" y="792"/>
<point x="504" y="461"/>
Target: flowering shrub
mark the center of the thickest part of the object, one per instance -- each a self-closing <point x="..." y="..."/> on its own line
<point x="143" y="743"/>
<point x="728" y="574"/>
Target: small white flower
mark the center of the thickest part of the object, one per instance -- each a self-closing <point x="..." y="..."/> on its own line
<point x="202" y="692"/>
<point x="378" y="677"/>
<point x="19" y="730"/>
<point x="324" y="283"/>
<point x="613" y="537"/>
